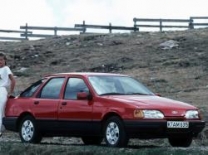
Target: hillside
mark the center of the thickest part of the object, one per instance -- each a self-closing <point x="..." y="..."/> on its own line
<point x="179" y="70"/>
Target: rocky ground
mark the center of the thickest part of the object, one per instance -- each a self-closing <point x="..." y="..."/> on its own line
<point x="174" y="64"/>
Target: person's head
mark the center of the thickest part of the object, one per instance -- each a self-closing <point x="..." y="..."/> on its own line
<point x="2" y="59"/>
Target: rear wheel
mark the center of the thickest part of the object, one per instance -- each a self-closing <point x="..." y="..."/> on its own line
<point x="28" y="131"/>
<point x="89" y="140"/>
<point x="114" y="132"/>
<point x="180" y="141"/>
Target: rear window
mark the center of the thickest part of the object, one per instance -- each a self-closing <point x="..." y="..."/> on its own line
<point x="32" y="89"/>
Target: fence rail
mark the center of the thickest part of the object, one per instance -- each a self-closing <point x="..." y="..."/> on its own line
<point x="160" y="19"/>
<point x="36" y="35"/>
<point x="11" y="38"/>
<point x="190" y="23"/>
<point x="199" y="17"/>
<point x="13" y="31"/>
<point x="109" y="27"/>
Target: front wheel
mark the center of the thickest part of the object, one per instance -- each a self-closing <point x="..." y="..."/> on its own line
<point x="114" y="132"/>
<point x="28" y="131"/>
<point x="180" y="141"/>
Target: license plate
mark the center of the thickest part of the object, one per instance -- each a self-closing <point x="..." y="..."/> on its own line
<point x="177" y="124"/>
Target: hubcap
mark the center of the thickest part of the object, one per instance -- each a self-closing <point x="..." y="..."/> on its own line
<point x="27" y="130"/>
<point x="112" y="133"/>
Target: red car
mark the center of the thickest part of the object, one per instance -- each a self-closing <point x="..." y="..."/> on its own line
<point x="94" y="106"/>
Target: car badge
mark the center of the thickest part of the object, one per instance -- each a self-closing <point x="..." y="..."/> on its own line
<point x="174" y="112"/>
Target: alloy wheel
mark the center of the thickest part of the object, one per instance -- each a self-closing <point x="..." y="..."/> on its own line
<point x="112" y="133"/>
<point x="27" y="130"/>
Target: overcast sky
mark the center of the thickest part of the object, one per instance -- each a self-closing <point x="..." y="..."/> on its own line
<point x="66" y="13"/>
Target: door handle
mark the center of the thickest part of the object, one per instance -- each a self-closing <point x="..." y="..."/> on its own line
<point x="36" y="102"/>
<point x="64" y="103"/>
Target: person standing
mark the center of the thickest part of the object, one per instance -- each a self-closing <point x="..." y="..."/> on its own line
<point x="7" y="82"/>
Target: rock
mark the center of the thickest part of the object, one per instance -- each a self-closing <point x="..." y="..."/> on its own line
<point x="169" y="44"/>
<point x="68" y="43"/>
<point x="138" y="43"/>
<point x="154" y="79"/>
<point x="100" y="44"/>
<point x="55" y="62"/>
<point x="117" y="42"/>
<point x="23" y="69"/>
<point x="17" y="57"/>
<point x="125" y="59"/>
<point x="184" y="63"/>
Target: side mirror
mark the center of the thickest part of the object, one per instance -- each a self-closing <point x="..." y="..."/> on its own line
<point x="82" y="95"/>
<point x="157" y="94"/>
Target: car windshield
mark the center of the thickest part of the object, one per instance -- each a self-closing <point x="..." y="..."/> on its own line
<point x="118" y="85"/>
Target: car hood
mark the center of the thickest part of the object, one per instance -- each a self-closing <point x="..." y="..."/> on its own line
<point x="168" y="106"/>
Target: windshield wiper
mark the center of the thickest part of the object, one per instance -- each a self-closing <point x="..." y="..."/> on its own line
<point x="112" y="93"/>
<point x="136" y="94"/>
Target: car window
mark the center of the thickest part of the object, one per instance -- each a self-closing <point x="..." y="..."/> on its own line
<point x="117" y="85"/>
<point x="132" y="86"/>
<point x="52" y="89"/>
<point x="104" y="85"/>
<point x="75" y="85"/>
<point x="32" y="89"/>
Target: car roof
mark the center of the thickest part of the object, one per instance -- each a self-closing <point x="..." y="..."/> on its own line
<point x="85" y="74"/>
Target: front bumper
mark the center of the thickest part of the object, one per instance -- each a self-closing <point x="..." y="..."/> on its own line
<point x="158" y="129"/>
<point x="10" y="123"/>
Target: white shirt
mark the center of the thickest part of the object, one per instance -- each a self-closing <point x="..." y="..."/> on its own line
<point x="4" y="76"/>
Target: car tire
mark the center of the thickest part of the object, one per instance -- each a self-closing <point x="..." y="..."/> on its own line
<point x="89" y="140"/>
<point x="180" y="142"/>
<point x="28" y="130"/>
<point x="114" y="133"/>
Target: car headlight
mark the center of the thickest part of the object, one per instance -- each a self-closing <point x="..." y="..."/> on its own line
<point x="154" y="114"/>
<point x="192" y="114"/>
<point x="149" y="114"/>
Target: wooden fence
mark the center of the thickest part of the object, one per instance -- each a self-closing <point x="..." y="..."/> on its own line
<point x="165" y="23"/>
<point x="162" y="24"/>
<point x="55" y="29"/>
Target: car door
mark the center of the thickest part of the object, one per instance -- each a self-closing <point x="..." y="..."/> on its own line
<point x="75" y="115"/>
<point x="46" y="103"/>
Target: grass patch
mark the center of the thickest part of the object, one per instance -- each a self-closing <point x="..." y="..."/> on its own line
<point x="11" y="148"/>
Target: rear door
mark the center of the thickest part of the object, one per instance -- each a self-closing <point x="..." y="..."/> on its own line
<point x="46" y="103"/>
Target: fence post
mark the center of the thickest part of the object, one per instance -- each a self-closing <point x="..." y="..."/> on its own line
<point x="26" y="32"/>
<point x="84" y="28"/>
<point x="191" y="26"/>
<point x="135" y="28"/>
<point x="55" y="31"/>
<point x="160" y="25"/>
<point x="110" y="28"/>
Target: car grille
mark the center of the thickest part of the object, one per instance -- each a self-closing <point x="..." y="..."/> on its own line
<point x="175" y="118"/>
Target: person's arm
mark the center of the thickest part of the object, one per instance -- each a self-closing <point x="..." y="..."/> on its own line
<point x="12" y="85"/>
